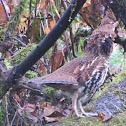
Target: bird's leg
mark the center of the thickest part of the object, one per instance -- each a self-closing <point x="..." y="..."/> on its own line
<point x="81" y="108"/>
<point x="74" y="104"/>
<point x="83" y="112"/>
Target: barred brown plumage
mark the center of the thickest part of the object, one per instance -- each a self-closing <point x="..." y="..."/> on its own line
<point x="82" y="76"/>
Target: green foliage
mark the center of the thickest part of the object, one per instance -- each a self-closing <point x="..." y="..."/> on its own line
<point x="7" y="63"/>
<point x="31" y="74"/>
<point x="22" y="53"/>
<point x="2" y="30"/>
<point x="116" y="57"/>
<point x="49" y="91"/>
<point x="79" y="54"/>
<point x="2" y="112"/>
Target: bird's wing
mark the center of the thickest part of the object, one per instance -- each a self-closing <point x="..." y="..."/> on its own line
<point x="62" y="78"/>
<point x="91" y="74"/>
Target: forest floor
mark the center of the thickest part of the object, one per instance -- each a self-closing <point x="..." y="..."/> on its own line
<point x="112" y="104"/>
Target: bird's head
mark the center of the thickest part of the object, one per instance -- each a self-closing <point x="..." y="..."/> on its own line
<point x="107" y="46"/>
<point x="101" y="40"/>
<point x="99" y="46"/>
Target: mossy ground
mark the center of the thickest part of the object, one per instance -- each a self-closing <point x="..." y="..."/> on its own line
<point x="118" y="120"/>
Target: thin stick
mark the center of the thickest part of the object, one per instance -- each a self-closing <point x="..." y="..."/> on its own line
<point x="87" y="22"/>
<point x="27" y="33"/>
<point x="14" y="118"/>
<point x="72" y="42"/>
<point x="55" y="8"/>
<point x="22" y="43"/>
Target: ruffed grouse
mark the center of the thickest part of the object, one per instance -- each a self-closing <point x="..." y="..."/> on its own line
<point x="82" y="76"/>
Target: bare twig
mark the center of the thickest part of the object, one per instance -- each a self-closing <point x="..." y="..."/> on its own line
<point x="87" y="22"/>
<point x="6" y="109"/>
<point x="22" y="43"/>
<point x="14" y="118"/>
<point x="60" y="8"/>
<point x="19" y="51"/>
<point x="52" y="13"/>
<point x="27" y="33"/>
<point x="72" y="42"/>
<point x="33" y="33"/>
<point x="55" y="8"/>
<point x="67" y="45"/>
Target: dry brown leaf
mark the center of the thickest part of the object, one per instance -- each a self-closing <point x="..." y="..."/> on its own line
<point x="86" y="14"/>
<point x="92" y="11"/>
<point x="41" y="68"/>
<point x="47" y="30"/>
<point x="16" y="98"/>
<point x="52" y="24"/>
<point x="55" y="116"/>
<point x="57" y="57"/>
<point x="104" y="117"/>
<point x="50" y="109"/>
<point x="28" y="111"/>
<point x="87" y="4"/>
<point x="3" y="16"/>
<point x="24" y="24"/>
<point x="101" y="115"/>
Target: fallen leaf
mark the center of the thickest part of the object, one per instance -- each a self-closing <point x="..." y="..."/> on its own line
<point x="41" y="68"/>
<point x="101" y="115"/>
<point x="57" y="57"/>
<point x="55" y="116"/>
<point x="47" y="30"/>
<point x="104" y="117"/>
<point x="49" y="110"/>
<point x="3" y="16"/>
<point x="52" y="24"/>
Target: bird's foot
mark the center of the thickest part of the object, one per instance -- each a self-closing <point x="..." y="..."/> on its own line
<point x="89" y="114"/>
<point x="73" y="113"/>
<point x="80" y="115"/>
